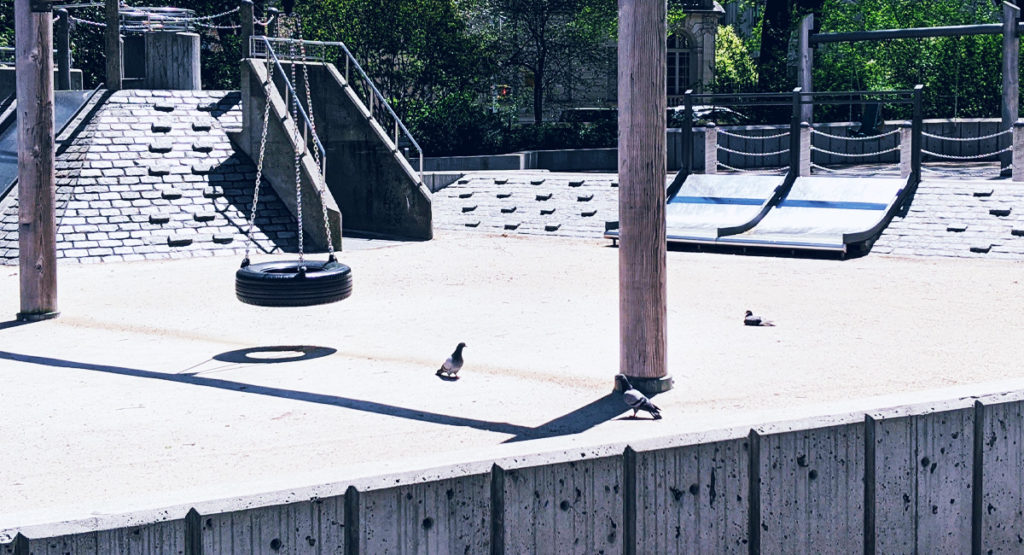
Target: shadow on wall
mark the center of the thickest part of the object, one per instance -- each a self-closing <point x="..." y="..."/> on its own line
<point x="579" y="420"/>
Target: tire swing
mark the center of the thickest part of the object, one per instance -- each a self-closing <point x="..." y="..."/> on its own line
<point x="291" y="282"/>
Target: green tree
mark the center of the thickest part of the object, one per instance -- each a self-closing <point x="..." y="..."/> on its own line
<point x="549" y="40"/>
<point x="734" y="67"/>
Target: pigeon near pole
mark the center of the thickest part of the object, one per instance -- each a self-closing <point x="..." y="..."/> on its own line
<point x="452" y="364"/>
<point x="752" y="319"/>
<point x="636" y="400"/>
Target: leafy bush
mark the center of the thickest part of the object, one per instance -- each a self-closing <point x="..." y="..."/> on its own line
<point x="455" y="125"/>
<point x="734" y="66"/>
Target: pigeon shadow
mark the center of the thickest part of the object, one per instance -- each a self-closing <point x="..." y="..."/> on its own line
<point x="275" y="354"/>
<point x="305" y="396"/>
<point x="580" y="420"/>
<point x="445" y="378"/>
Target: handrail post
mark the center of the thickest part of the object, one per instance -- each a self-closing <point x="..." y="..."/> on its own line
<point x="271" y="30"/>
<point x="916" y="137"/>
<point x="1011" y="81"/>
<point x="805" y="149"/>
<point x="1017" y="169"/>
<point x="906" y="144"/>
<point x="794" y="133"/>
<point x="688" y="133"/>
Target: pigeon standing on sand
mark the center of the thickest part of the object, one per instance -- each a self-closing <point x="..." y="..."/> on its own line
<point x="453" y="364"/>
<point x="636" y="400"/>
<point x="753" y="320"/>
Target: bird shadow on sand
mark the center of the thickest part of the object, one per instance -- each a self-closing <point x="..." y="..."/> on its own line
<point x="444" y="378"/>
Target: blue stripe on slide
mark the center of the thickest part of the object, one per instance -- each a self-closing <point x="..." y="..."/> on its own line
<point x="717" y="200"/>
<point x="833" y="204"/>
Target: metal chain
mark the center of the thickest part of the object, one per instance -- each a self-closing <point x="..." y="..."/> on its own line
<point x="960" y="139"/>
<point x="971" y="157"/>
<point x="842" y="138"/>
<point x="86" y="21"/>
<point x="259" y="167"/>
<point x="847" y="172"/>
<point x="855" y="155"/>
<point x="772" y="170"/>
<point x="776" y="153"/>
<point x="316" y="151"/>
<point x="299" y="151"/>
<point x="217" y="27"/>
<point x="764" y="138"/>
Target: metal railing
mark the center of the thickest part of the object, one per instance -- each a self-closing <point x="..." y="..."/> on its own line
<point x="308" y="131"/>
<point x="7" y="56"/>
<point x="367" y="92"/>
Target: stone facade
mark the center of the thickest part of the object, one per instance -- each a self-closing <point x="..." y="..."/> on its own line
<point x="152" y="175"/>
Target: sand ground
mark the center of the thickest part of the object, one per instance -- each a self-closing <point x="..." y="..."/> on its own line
<point x="137" y="394"/>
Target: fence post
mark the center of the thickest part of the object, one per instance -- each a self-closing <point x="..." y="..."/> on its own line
<point x="62" y="44"/>
<point x="915" y="137"/>
<point x="805" y="148"/>
<point x="806" y="67"/>
<point x="688" y="133"/>
<point x="905" y="149"/>
<point x="794" y="133"/>
<point x="1011" y="70"/>
<point x="1017" y="170"/>
<point x="115" y="73"/>
<point x="271" y="30"/>
<point x="711" y="148"/>
<point x="245" y="13"/>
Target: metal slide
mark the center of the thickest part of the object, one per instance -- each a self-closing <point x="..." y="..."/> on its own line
<point x="66" y="105"/>
<point x="708" y="207"/>
<point x="827" y="213"/>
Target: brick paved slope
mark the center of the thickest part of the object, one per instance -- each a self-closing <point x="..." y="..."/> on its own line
<point x="542" y="203"/>
<point x="960" y="218"/>
<point x="153" y="175"/>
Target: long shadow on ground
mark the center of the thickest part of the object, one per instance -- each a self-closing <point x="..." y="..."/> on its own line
<point x="577" y="421"/>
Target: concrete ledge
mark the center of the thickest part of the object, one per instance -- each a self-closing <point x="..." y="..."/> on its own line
<point x="826" y="477"/>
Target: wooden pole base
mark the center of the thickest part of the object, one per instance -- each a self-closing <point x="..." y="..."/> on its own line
<point x="649" y="386"/>
<point x="37" y="316"/>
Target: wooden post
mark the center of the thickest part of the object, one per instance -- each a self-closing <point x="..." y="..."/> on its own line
<point x="1011" y="69"/>
<point x="62" y="43"/>
<point x="805" y="149"/>
<point x="642" y="159"/>
<point x="916" y="136"/>
<point x="905" y="151"/>
<point x="794" y="132"/>
<point x="806" y="66"/>
<point x="245" y="14"/>
<point x="271" y="30"/>
<point x="37" y="222"/>
<point x="113" y="46"/>
<point x="1018" y="151"/>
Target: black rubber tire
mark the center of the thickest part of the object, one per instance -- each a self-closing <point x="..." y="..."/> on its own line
<point x="281" y="284"/>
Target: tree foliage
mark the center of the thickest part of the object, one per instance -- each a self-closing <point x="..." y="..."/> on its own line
<point x="548" y="41"/>
<point x="735" y="70"/>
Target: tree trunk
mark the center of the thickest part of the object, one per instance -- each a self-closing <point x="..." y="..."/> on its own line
<point x="538" y="92"/>
<point x="777" y="25"/>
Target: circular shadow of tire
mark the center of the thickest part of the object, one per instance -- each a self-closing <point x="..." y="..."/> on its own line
<point x="275" y="354"/>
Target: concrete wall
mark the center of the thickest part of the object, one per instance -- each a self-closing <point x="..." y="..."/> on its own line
<point x="279" y="162"/>
<point x="373" y="183"/>
<point x="935" y="477"/>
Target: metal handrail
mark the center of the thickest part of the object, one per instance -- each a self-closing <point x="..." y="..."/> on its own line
<point x="295" y="99"/>
<point x="350" y="60"/>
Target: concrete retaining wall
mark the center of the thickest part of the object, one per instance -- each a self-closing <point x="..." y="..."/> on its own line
<point x="939" y="477"/>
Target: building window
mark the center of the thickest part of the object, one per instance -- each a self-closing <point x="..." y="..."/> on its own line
<point x="678" y="76"/>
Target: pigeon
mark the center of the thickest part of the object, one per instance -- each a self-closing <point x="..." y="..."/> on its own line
<point x="636" y="400"/>
<point x="752" y="320"/>
<point x="453" y="364"/>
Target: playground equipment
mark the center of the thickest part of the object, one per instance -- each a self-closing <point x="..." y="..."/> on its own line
<point x="761" y="208"/>
<point x="292" y="283"/>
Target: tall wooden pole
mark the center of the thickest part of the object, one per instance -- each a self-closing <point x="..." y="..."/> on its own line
<point x="62" y="44"/>
<point x="37" y="222"/>
<point x="113" y="46"/>
<point x="642" y="161"/>
<point x="806" y="67"/>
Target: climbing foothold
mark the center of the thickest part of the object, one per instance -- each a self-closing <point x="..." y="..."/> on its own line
<point x="584" y="198"/>
<point x="544" y="197"/>
<point x="468" y="208"/>
<point x="508" y="210"/>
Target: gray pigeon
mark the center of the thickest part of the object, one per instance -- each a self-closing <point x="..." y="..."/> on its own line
<point x="752" y="320"/>
<point x="452" y="364"/>
<point x="636" y="400"/>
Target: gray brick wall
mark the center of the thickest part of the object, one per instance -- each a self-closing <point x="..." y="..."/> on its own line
<point x="153" y="175"/>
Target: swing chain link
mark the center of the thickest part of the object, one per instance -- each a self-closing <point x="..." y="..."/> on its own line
<point x="316" y="151"/>
<point x="298" y="161"/>
<point x="259" y="168"/>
